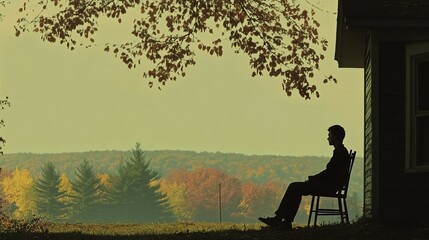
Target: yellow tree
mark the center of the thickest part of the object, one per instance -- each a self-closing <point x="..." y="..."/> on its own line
<point x="65" y="186"/>
<point x="176" y="198"/>
<point x="105" y="183"/>
<point x="18" y="190"/>
<point x="104" y="179"/>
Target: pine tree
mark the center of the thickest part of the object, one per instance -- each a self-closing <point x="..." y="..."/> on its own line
<point x="121" y="184"/>
<point x="49" y="195"/>
<point x="85" y="192"/>
<point x="136" y="193"/>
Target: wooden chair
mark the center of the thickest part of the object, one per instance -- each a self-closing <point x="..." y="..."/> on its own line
<point x="340" y="195"/>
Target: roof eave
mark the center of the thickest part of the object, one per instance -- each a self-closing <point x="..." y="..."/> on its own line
<point x="351" y="33"/>
<point x="349" y="47"/>
<point x="352" y="28"/>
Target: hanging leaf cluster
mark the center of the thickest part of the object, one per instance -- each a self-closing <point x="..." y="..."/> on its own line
<point x="3" y="103"/>
<point x="280" y="39"/>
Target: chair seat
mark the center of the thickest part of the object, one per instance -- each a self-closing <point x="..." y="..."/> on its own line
<point x="332" y="195"/>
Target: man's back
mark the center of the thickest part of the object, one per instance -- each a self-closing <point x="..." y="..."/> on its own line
<point x="337" y="170"/>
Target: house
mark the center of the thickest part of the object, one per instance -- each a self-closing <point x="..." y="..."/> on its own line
<point x="390" y="40"/>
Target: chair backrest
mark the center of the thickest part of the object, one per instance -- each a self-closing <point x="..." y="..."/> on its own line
<point x="344" y="189"/>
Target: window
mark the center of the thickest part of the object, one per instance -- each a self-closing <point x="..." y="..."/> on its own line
<point x="417" y="108"/>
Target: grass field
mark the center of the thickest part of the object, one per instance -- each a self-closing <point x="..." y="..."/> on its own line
<point x="360" y="230"/>
<point x="150" y="228"/>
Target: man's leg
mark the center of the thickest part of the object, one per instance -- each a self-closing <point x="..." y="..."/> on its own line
<point x="288" y="206"/>
<point x="292" y="198"/>
<point x="290" y="203"/>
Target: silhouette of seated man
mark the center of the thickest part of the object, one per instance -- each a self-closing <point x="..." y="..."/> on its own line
<point x="328" y="181"/>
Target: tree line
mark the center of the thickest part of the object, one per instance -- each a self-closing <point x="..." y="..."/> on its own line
<point x="136" y="193"/>
<point x="127" y="196"/>
<point x="255" y="168"/>
<point x="258" y="169"/>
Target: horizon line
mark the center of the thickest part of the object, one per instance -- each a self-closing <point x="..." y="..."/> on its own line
<point x="172" y="150"/>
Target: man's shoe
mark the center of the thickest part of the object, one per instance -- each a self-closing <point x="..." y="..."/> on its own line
<point x="271" y="221"/>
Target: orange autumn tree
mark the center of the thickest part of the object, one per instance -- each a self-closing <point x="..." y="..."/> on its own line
<point x="260" y="200"/>
<point x="280" y="38"/>
<point x="201" y="193"/>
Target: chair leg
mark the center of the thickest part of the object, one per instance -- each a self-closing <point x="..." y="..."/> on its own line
<point x="317" y="210"/>
<point x="346" y="212"/>
<point x="340" y="207"/>
<point x="342" y="210"/>
<point x="311" y="211"/>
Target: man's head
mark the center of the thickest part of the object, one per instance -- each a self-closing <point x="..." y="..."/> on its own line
<point x="336" y="134"/>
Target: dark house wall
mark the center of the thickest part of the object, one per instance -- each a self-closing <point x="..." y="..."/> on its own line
<point x="385" y="28"/>
<point x="400" y="194"/>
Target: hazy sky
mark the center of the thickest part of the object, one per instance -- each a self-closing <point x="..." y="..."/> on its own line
<point x="70" y="101"/>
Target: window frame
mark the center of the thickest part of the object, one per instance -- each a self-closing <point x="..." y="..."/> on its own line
<point x="414" y="53"/>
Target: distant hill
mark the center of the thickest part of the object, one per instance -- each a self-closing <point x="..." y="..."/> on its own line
<point x="256" y="168"/>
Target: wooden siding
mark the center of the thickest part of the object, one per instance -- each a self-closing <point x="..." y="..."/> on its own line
<point x="407" y="192"/>
<point x="367" y="208"/>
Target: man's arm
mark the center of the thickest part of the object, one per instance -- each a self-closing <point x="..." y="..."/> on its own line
<point x="335" y="170"/>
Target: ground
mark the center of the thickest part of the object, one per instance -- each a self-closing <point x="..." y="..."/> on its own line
<point x="359" y="230"/>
